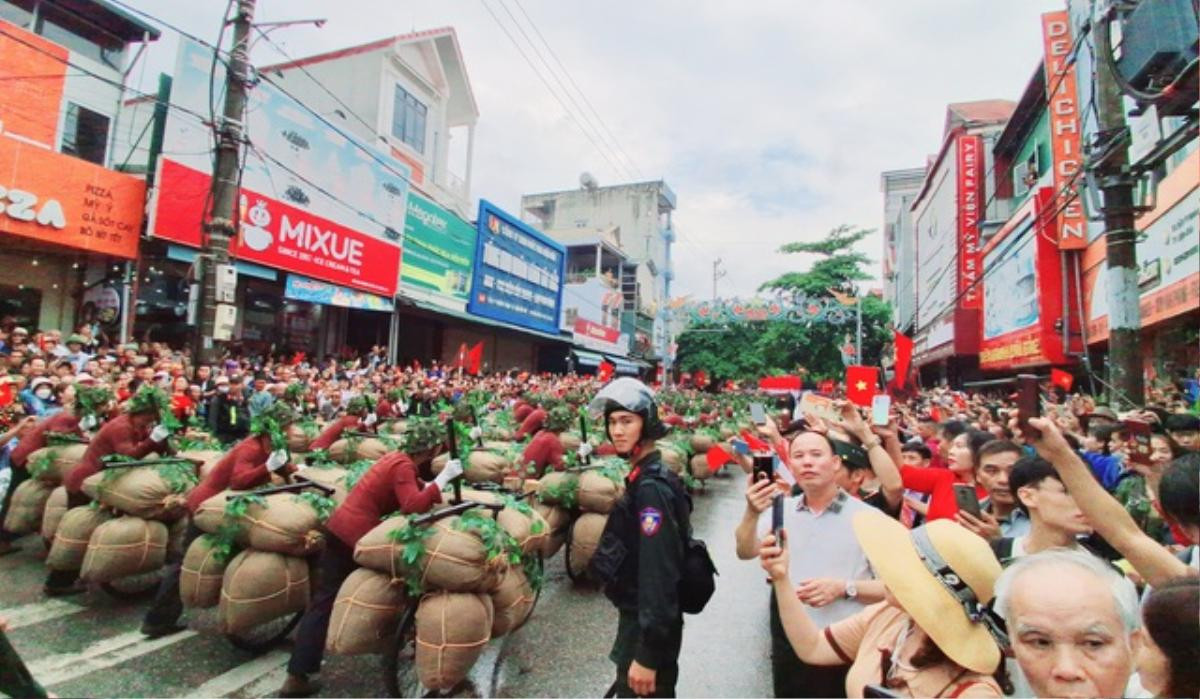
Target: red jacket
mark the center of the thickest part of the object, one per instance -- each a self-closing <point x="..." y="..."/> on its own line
<point x="333" y="432"/>
<point x="531" y="424"/>
<point x="390" y="485"/>
<point x="939" y="483"/>
<point x="544" y="450"/>
<point x="36" y="438"/>
<point x="521" y="410"/>
<point x="117" y="436"/>
<point x="243" y="468"/>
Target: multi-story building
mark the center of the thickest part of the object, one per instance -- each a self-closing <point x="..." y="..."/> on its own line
<point x="69" y="222"/>
<point x="899" y="188"/>
<point x="641" y="212"/>
<point x="949" y="213"/>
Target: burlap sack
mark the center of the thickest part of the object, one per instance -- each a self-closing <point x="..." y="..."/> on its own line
<point x="297" y="440"/>
<point x="393" y="426"/>
<point x="674" y="459"/>
<point x="207" y="457"/>
<point x="701" y="443"/>
<point x="200" y="575"/>
<point x="727" y="434"/>
<point x="557" y="519"/>
<point x="27" y="506"/>
<point x="530" y="531"/>
<point x="373" y="449"/>
<point x="365" y="448"/>
<point x="556" y="486"/>
<point x="377" y="551"/>
<point x="122" y="547"/>
<point x="72" y="537"/>
<point x="485" y="466"/>
<point x="62" y="459"/>
<point x="367" y="611"/>
<point x="512" y="602"/>
<point x="452" y="630"/>
<point x="598" y="493"/>
<point x="699" y="467"/>
<point x="570" y="442"/>
<point x="259" y="586"/>
<point x="331" y="476"/>
<point x="56" y="507"/>
<point x="585" y="535"/>
<point x="454" y="560"/>
<point x="140" y="492"/>
<point x="286" y="524"/>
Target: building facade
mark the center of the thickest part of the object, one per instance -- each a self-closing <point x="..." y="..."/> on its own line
<point x="899" y="188"/>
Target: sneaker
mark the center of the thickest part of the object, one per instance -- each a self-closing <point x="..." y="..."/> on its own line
<point x="299" y="686"/>
<point x="153" y="631"/>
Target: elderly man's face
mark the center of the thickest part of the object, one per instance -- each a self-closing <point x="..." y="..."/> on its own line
<point x="1068" y="635"/>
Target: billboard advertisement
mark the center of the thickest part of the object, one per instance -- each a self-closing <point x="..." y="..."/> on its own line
<point x="592" y="314"/>
<point x="970" y="207"/>
<point x="345" y="202"/>
<point x="518" y="275"/>
<point x="439" y="248"/>
<point x="1011" y="268"/>
<point x="313" y="291"/>
<point x="1072" y="224"/>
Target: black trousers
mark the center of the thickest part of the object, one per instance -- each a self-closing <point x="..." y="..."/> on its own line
<point x="624" y="647"/>
<point x="19" y="476"/>
<point x="59" y="579"/>
<point x="792" y="676"/>
<point x="15" y="680"/>
<point x="167" y="605"/>
<point x="333" y="567"/>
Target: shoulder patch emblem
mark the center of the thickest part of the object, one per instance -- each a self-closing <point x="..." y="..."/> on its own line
<point x="651" y="521"/>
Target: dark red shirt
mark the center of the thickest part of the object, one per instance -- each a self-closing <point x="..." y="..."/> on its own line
<point x="531" y="424"/>
<point x="390" y="485"/>
<point x="243" y="468"/>
<point x="545" y="449"/>
<point x="117" y="436"/>
<point x="333" y="432"/>
<point x="36" y="438"/>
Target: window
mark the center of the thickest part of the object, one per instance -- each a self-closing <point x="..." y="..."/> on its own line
<point x="19" y="12"/>
<point x="408" y="120"/>
<point x="85" y="134"/>
<point x="80" y="35"/>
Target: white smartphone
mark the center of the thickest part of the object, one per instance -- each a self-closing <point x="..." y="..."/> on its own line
<point x="881" y="405"/>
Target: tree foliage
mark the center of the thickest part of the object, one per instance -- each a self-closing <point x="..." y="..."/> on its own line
<point x="751" y="350"/>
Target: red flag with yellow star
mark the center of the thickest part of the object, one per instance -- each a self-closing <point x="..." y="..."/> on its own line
<point x="862" y="384"/>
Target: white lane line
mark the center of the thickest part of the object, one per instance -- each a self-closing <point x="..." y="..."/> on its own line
<point x="38" y="612"/>
<point x="64" y="667"/>
<point x="266" y="686"/>
<point x="229" y="682"/>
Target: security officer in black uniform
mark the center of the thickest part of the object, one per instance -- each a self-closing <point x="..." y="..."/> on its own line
<point x="640" y="554"/>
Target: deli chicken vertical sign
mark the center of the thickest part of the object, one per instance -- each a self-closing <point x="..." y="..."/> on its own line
<point x="1064" y="129"/>
<point x="970" y="201"/>
<point x="518" y="272"/>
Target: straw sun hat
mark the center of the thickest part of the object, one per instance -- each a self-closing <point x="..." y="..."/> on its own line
<point x="942" y="575"/>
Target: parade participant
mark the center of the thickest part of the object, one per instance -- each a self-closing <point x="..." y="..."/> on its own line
<point x="358" y="417"/>
<point x="532" y="422"/>
<point x="1077" y="637"/>
<point x="832" y="569"/>
<point x="932" y="636"/>
<point x="245" y="467"/>
<point x="545" y="450"/>
<point x="390" y="485"/>
<point x="128" y="435"/>
<point x="647" y="527"/>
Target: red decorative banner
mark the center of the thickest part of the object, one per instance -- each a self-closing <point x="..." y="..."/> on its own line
<point x="970" y="209"/>
<point x="278" y="235"/>
<point x="587" y="328"/>
<point x="1064" y="129"/>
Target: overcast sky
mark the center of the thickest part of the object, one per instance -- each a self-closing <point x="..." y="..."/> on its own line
<point x="771" y="121"/>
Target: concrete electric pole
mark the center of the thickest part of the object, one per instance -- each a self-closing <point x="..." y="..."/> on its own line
<point x="213" y="264"/>
<point x="717" y="274"/>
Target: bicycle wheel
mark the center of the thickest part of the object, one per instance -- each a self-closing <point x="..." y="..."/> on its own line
<point x="576" y="577"/>
<point x="400" y="658"/>
<point x="134" y="588"/>
<point x="264" y="636"/>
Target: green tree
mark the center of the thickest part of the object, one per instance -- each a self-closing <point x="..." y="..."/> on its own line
<point x="750" y="350"/>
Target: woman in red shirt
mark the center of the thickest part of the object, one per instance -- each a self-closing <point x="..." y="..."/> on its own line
<point x="939" y="483"/>
<point x="182" y="405"/>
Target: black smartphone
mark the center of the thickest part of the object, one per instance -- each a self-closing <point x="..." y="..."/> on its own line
<point x="757" y="414"/>
<point x="875" y="690"/>
<point x="1137" y="433"/>
<point x="764" y="464"/>
<point x="777" y="515"/>
<point x="1029" y="403"/>
<point x="967" y="501"/>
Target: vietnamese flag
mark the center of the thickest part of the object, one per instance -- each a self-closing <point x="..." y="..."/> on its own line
<point x="717" y="457"/>
<point x="904" y="351"/>
<point x="1062" y="379"/>
<point x="475" y="359"/>
<point x="605" y="370"/>
<point x="6" y="394"/>
<point x="826" y="387"/>
<point x="861" y="384"/>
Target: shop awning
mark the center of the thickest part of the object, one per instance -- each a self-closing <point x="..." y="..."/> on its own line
<point x="590" y="359"/>
<point x="624" y="366"/>
<point x="463" y="315"/>
<point x="180" y="253"/>
<point x="314" y="291"/>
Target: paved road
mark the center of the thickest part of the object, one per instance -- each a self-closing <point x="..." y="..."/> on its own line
<point x="89" y="645"/>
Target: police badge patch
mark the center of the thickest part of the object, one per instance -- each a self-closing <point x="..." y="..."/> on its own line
<point x="651" y="520"/>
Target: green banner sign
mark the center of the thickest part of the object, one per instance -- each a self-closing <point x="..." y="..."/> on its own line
<point x="439" y="249"/>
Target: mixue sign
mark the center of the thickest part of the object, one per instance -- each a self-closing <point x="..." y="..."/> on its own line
<point x="278" y="235"/>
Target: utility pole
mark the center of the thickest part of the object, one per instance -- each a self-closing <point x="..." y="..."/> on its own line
<point x="222" y="224"/>
<point x="1116" y="183"/>
<point x="717" y="274"/>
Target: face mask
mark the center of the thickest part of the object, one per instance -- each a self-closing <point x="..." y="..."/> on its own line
<point x="222" y="389"/>
<point x="43" y="393"/>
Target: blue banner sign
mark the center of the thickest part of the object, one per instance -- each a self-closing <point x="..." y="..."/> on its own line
<point x="313" y="291"/>
<point x="518" y="274"/>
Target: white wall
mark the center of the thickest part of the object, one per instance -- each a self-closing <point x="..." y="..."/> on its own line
<point x="935" y="225"/>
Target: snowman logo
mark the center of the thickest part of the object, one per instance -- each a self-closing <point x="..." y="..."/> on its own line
<point x="254" y="226"/>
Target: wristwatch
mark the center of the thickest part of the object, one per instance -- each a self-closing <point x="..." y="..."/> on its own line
<point x="851" y="589"/>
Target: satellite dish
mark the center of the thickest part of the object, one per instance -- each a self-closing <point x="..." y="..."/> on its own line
<point x="588" y="181"/>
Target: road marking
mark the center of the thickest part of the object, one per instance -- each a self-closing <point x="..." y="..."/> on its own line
<point x="229" y="682"/>
<point x="56" y="669"/>
<point x="266" y="686"/>
<point x="36" y="613"/>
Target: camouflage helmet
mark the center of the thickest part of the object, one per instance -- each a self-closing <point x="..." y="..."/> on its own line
<point x="90" y="400"/>
<point x="559" y="419"/>
<point x="148" y="399"/>
<point x="359" y="404"/>
<point x="279" y="414"/>
<point x="423" y="434"/>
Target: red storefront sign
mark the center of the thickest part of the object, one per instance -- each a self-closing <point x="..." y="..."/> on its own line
<point x="970" y="203"/>
<point x="278" y="235"/>
<point x="1064" y="129"/>
<point x="595" y="331"/>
